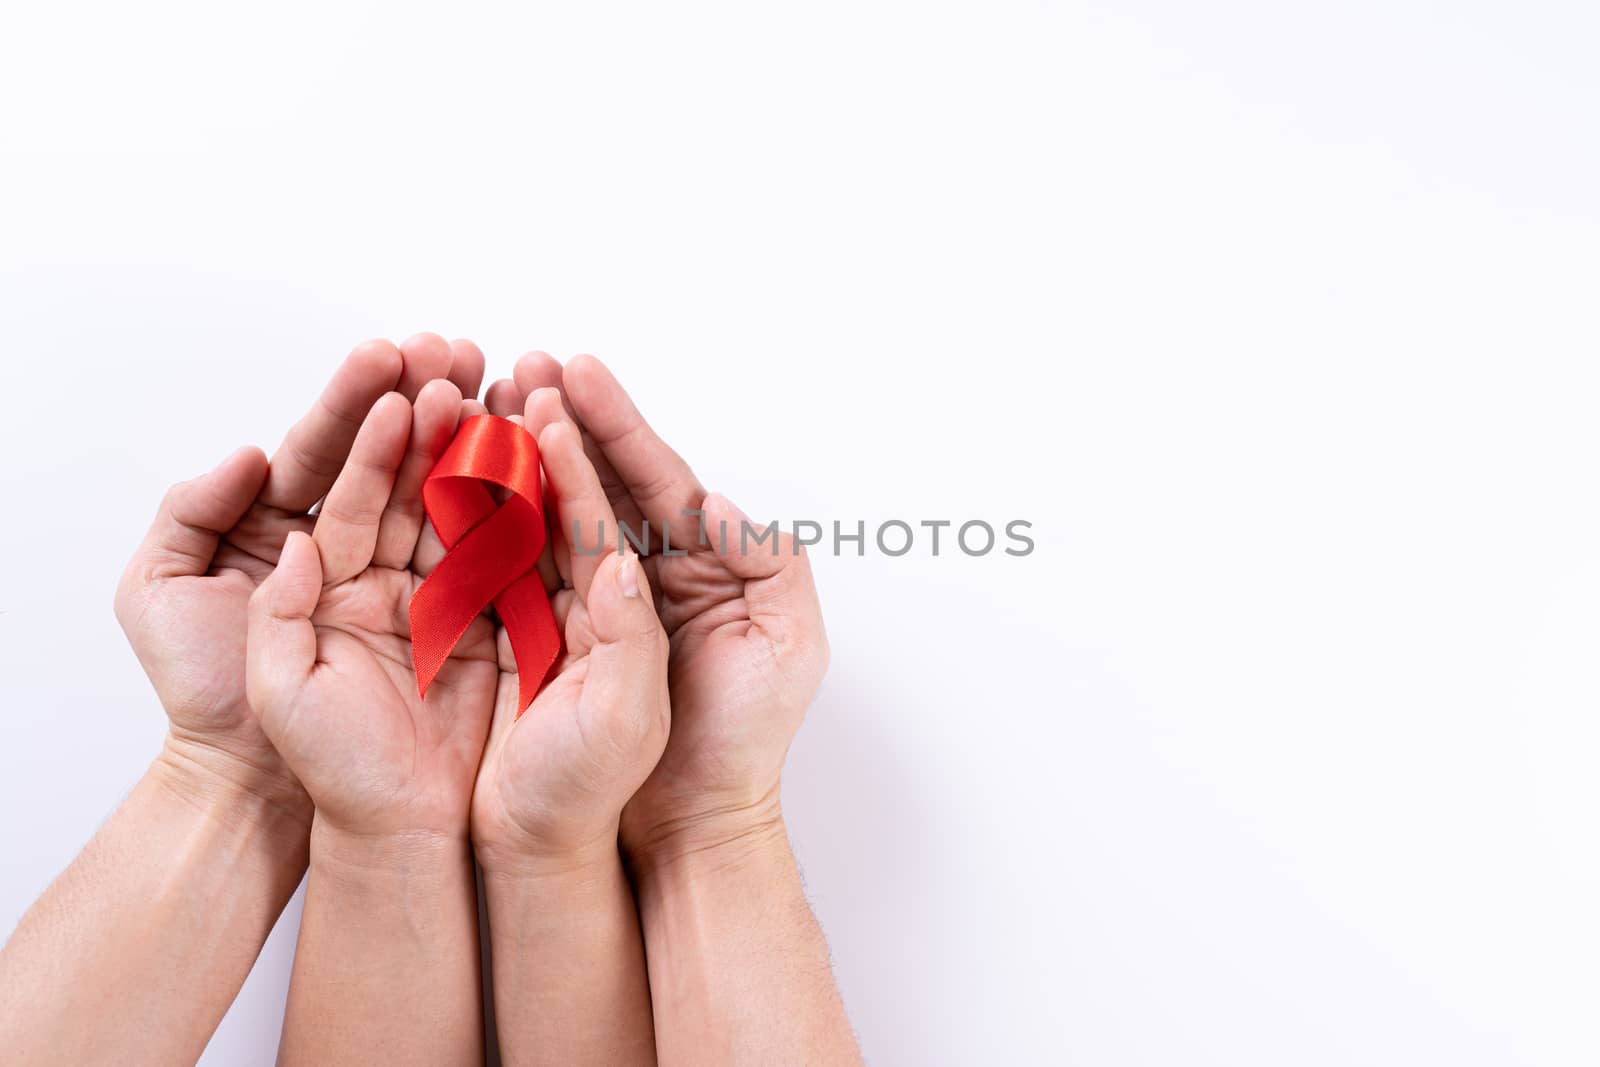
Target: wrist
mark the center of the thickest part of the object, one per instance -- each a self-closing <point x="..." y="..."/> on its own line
<point x="534" y="860"/>
<point x="522" y="838"/>
<point x="707" y="838"/>
<point x="229" y="790"/>
<point x="363" y="854"/>
<point x="550" y="885"/>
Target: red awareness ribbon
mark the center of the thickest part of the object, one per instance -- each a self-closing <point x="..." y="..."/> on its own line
<point x="492" y="550"/>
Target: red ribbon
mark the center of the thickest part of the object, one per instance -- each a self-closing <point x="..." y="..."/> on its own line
<point x="492" y="550"/>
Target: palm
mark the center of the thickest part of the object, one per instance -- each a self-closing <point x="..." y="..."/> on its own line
<point x="188" y="629"/>
<point x="202" y="617"/>
<point x="358" y="718"/>
<point x="747" y="645"/>
<point x="201" y="608"/>
<point x="596" y="728"/>
<point x="550" y="762"/>
<point x="330" y="668"/>
<point x="184" y="598"/>
<point x="722" y="663"/>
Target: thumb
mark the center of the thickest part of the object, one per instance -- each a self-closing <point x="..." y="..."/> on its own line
<point x="194" y="514"/>
<point x="627" y="676"/>
<point x="281" y="646"/>
<point x="778" y="586"/>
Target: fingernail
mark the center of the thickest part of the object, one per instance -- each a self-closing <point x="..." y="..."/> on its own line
<point x="628" y="574"/>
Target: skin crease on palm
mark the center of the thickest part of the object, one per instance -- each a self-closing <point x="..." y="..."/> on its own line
<point x="182" y="600"/>
<point x="330" y="667"/>
<point x="555" y="780"/>
<point x="330" y="633"/>
<point x="269" y="606"/>
<point x="747" y="644"/>
<point x="748" y="649"/>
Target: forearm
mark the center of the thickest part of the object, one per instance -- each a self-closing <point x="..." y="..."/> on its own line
<point x="739" y="969"/>
<point x="386" y="969"/>
<point x="136" y="951"/>
<point x="570" y="985"/>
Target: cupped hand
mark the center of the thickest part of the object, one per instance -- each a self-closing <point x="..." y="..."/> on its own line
<point x="182" y="599"/>
<point x="329" y="656"/>
<point x="748" y="648"/>
<point x="554" y="781"/>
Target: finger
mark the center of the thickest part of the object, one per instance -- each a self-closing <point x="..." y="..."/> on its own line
<point x="193" y="516"/>
<point x="561" y="602"/>
<point x="622" y="502"/>
<point x="539" y="372"/>
<point x="546" y="405"/>
<point x="315" y="448"/>
<point x="281" y="644"/>
<point x="429" y="551"/>
<point x="657" y="478"/>
<point x="503" y="399"/>
<point x="433" y="423"/>
<point x="555" y="563"/>
<point x="625" y="689"/>
<point x="549" y="572"/>
<point x="544" y="408"/>
<point x="779" y="589"/>
<point x="426" y="357"/>
<point x="581" y="507"/>
<point x="466" y="366"/>
<point x="536" y="370"/>
<point x="347" y="527"/>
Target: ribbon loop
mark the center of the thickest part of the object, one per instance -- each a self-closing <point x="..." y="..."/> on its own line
<point x="491" y="553"/>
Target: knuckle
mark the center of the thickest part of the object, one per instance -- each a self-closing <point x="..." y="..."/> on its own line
<point x="176" y="494"/>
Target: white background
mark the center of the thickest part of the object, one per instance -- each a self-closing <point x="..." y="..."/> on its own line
<point x="1277" y="321"/>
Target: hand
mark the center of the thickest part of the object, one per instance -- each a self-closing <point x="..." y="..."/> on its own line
<point x="554" y="782"/>
<point x="748" y="649"/>
<point x="182" y="600"/>
<point x="329" y="657"/>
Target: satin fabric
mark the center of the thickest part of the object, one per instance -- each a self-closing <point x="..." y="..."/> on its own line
<point x="492" y="550"/>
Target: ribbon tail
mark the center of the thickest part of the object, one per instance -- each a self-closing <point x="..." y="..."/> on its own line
<point x="486" y="547"/>
<point x="465" y="581"/>
<point x="535" y="638"/>
<point x="436" y="625"/>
